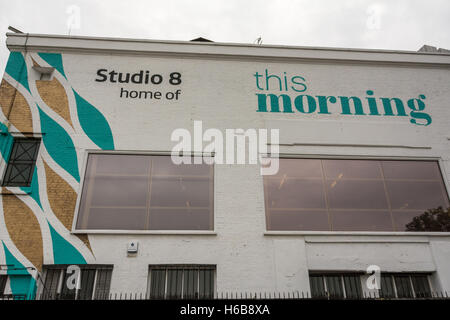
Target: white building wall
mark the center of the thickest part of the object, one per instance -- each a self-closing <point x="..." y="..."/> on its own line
<point x="222" y="95"/>
<point x="220" y="91"/>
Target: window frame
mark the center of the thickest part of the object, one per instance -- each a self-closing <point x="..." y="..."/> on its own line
<point x="61" y="269"/>
<point x="5" y="163"/>
<point x="198" y="267"/>
<point x="410" y="276"/>
<point x="375" y="293"/>
<point x="3" y="284"/>
<point x="437" y="159"/>
<point x="341" y="276"/>
<point x="75" y="230"/>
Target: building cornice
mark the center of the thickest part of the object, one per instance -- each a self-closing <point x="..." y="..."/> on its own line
<point x="221" y="51"/>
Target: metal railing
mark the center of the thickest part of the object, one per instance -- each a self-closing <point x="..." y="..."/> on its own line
<point x="293" y="295"/>
<point x="13" y="297"/>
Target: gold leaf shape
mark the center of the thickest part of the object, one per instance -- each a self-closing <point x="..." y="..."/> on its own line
<point x="62" y="200"/>
<point x="24" y="229"/>
<point x="54" y="95"/>
<point x="15" y="107"/>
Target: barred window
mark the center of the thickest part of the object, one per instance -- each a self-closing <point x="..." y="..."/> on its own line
<point x="336" y="286"/>
<point x="350" y="286"/>
<point x="21" y="163"/>
<point x="3" y="280"/>
<point x="94" y="283"/>
<point x="405" y="286"/>
<point x="181" y="282"/>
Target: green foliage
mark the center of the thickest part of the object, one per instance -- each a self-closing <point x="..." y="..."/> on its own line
<point x="431" y="220"/>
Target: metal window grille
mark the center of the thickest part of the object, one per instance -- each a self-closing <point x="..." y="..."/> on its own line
<point x="349" y="286"/>
<point x="22" y="160"/>
<point x="181" y="282"/>
<point x="405" y="286"/>
<point x="3" y="280"/>
<point x="94" y="283"/>
<point x="336" y="286"/>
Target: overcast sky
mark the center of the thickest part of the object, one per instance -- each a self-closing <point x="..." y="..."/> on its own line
<point x="378" y="24"/>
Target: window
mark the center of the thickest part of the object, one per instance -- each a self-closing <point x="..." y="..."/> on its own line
<point x="3" y="280"/>
<point x="352" y="195"/>
<point x="336" y="286"/>
<point x="405" y="286"/>
<point x="350" y="286"/>
<point x="95" y="283"/>
<point x="145" y="192"/>
<point x="181" y="282"/>
<point x="22" y="160"/>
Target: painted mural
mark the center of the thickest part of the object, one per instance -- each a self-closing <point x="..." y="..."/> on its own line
<point x="35" y="222"/>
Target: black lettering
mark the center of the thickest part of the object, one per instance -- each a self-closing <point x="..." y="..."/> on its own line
<point x="100" y="73"/>
<point x="111" y="76"/>
<point x="175" y="78"/>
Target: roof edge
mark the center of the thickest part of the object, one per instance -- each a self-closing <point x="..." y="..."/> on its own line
<point x="45" y="42"/>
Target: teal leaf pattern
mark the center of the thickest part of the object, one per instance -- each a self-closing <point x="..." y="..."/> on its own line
<point x="17" y="68"/>
<point x="33" y="189"/>
<point x="94" y="124"/>
<point x="6" y="141"/>
<point x="63" y="251"/>
<point x="55" y="60"/>
<point x="21" y="281"/>
<point x="59" y="145"/>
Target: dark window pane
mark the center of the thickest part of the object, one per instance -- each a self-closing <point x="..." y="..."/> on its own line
<point x="180" y="219"/>
<point x="87" y="284"/>
<point x="184" y="282"/>
<point x="299" y="168"/>
<point x="360" y="195"/>
<point x="180" y="192"/>
<point x="163" y="166"/>
<point x="116" y="219"/>
<point x="353" y="289"/>
<point x="121" y="164"/>
<point x="403" y="286"/>
<point x="206" y="283"/>
<point x="317" y="286"/>
<point x="21" y="162"/>
<point x="144" y="192"/>
<point x="298" y="220"/>
<point x="345" y="194"/>
<point x="158" y="284"/>
<point x="348" y="169"/>
<point x="410" y="195"/>
<point x="334" y="286"/>
<point x="126" y="191"/>
<point x="421" y="286"/>
<point x="190" y="284"/>
<point x="66" y="292"/>
<point x="51" y="283"/>
<point x="361" y="220"/>
<point x="3" y="280"/>
<point x="387" y="286"/>
<point x="402" y="218"/>
<point x="411" y="170"/>
<point x="24" y="150"/>
<point x="294" y="193"/>
<point x="174" y="283"/>
<point x="103" y="284"/>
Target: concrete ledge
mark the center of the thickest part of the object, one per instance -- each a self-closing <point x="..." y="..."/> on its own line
<point x="216" y="50"/>
<point x="148" y="232"/>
